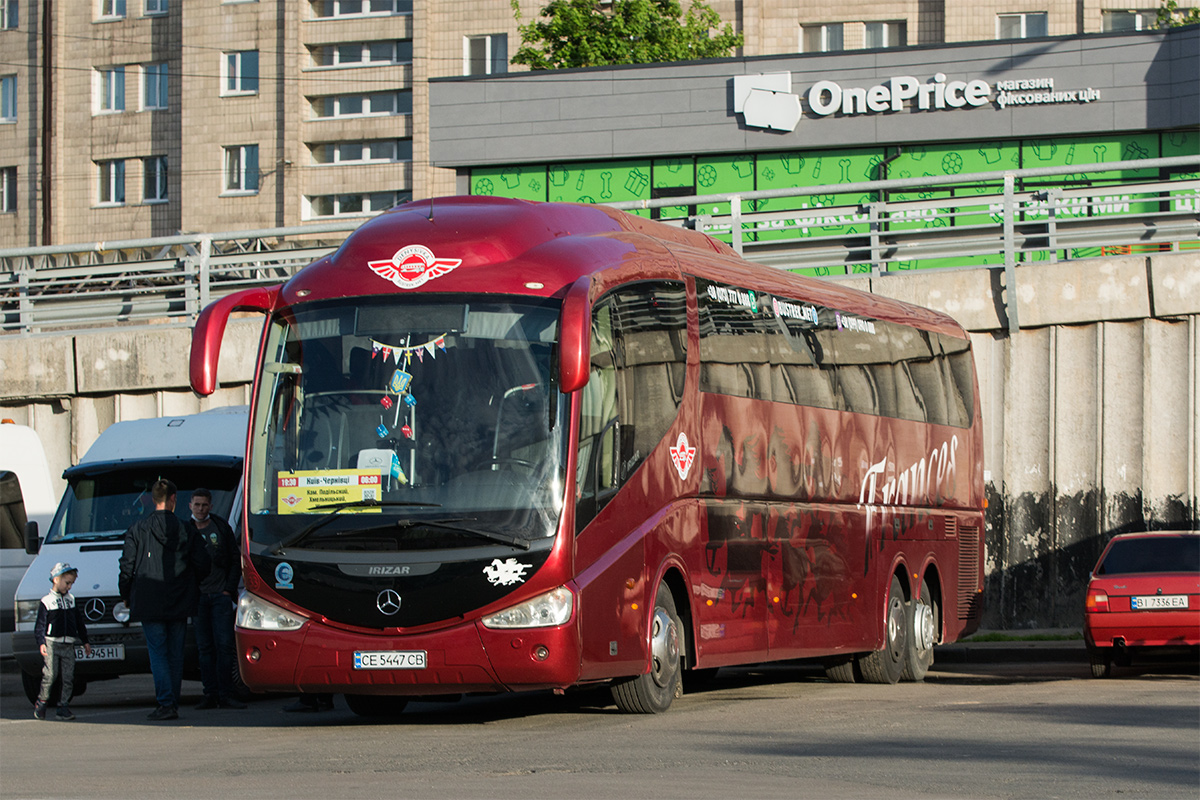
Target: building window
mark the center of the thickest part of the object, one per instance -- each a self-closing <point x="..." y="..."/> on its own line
<point x="112" y="9"/>
<point x="8" y="14"/>
<point x="1128" y="20"/>
<point x="154" y="179"/>
<point x="325" y="9"/>
<point x="112" y="89"/>
<point x="8" y="190"/>
<point x="886" y="34"/>
<point x="485" y="55"/>
<point x="240" y="72"/>
<point x="8" y="98"/>
<point x="154" y="86"/>
<point x="379" y="151"/>
<point x="825" y="38"/>
<point x="376" y="104"/>
<point x="363" y="54"/>
<point x="1028" y="25"/>
<point x="154" y="7"/>
<point x="112" y="182"/>
<point x="241" y="169"/>
<point x="350" y="205"/>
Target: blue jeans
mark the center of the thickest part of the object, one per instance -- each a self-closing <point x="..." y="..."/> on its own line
<point x="214" y="640"/>
<point x="164" y="643"/>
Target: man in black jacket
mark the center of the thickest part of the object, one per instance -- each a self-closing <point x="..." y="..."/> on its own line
<point x="162" y="565"/>
<point x="218" y="596"/>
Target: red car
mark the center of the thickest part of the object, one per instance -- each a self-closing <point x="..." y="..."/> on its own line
<point x="1143" y="597"/>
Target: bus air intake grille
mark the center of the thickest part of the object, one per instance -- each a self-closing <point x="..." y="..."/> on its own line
<point x="970" y="599"/>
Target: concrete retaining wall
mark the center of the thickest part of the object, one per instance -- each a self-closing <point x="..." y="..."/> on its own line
<point x="1090" y="410"/>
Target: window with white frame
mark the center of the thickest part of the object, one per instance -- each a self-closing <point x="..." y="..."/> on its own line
<point x="825" y="38"/>
<point x="355" y="54"/>
<point x="154" y="7"/>
<point x="241" y="169"/>
<point x="886" y="34"/>
<point x="112" y="9"/>
<point x="377" y="151"/>
<point x="8" y="190"/>
<point x="239" y="72"/>
<point x="154" y="86"/>
<point x="111" y="189"/>
<point x="1026" y="25"/>
<point x="351" y="205"/>
<point x="9" y="14"/>
<point x="110" y="88"/>
<point x="8" y="98"/>
<point x="325" y="9"/>
<point x="374" y="104"/>
<point x="154" y="179"/>
<point x="485" y="55"/>
<point x="1132" y="20"/>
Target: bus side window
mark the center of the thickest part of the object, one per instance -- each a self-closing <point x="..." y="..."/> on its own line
<point x="960" y="382"/>
<point x="598" y="426"/>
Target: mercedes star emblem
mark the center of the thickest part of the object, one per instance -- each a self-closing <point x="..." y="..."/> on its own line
<point x="94" y="609"/>
<point x="388" y="601"/>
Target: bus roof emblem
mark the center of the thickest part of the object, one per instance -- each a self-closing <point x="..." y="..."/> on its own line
<point x="413" y="266"/>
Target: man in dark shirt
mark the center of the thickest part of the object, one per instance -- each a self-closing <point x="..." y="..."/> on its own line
<point x="162" y="564"/>
<point x="218" y="598"/>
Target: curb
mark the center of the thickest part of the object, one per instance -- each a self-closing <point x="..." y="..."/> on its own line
<point x="1011" y="652"/>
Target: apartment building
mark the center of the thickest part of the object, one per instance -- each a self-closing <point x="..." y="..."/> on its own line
<point x="127" y="119"/>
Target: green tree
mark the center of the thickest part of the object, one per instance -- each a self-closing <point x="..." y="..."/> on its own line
<point x="578" y="33"/>
<point x="1170" y="15"/>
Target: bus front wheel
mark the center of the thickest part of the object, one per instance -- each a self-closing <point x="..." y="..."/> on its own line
<point x="653" y="692"/>
<point x="887" y="665"/>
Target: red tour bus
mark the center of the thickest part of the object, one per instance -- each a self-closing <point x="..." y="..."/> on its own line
<point x="498" y="445"/>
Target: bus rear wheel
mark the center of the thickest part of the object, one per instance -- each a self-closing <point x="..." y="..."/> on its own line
<point x="376" y="705"/>
<point x="926" y="623"/>
<point x="886" y="665"/>
<point x="654" y="692"/>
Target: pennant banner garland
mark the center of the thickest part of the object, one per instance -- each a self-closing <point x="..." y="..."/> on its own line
<point x="420" y="350"/>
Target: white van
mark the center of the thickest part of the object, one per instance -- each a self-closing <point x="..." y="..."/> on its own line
<point x="108" y="491"/>
<point x="26" y="495"/>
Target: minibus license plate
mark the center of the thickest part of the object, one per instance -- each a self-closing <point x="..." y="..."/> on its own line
<point x="102" y="652"/>
<point x="389" y="659"/>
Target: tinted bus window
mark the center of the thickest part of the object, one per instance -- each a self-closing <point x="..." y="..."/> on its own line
<point x="734" y="350"/>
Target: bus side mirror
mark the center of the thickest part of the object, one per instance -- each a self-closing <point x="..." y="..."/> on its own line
<point x="575" y="337"/>
<point x="210" y="329"/>
<point x="33" y="543"/>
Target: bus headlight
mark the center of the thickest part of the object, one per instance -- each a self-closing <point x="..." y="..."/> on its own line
<point x="544" y="611"/>
<point x="256" y="614"/>
<point x="27" y="611"/>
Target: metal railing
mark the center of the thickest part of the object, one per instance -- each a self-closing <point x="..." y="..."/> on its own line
<point x="993" y="220"/>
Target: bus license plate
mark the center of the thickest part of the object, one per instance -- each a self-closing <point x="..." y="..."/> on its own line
<point x="389" y="659"/>
<point x="102" y="652"/>
<point x="1151" y="601"/>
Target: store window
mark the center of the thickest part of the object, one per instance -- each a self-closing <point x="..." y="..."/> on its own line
<point x="1028" y="25"/>
<point x="824" y="38"/>
<point x="485" y="55"/>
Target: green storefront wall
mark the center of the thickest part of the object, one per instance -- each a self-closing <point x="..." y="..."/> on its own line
<point x="678" y="176"/>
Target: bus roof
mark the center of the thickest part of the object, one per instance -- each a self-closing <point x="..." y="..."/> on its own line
<point x="481" y="244"/>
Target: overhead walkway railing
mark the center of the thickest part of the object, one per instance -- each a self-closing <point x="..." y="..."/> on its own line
<point x="989" y="219"/>
<point x="993" y="220"/>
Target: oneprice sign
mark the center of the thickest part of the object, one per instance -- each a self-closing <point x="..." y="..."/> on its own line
<point x="827" y="97"/>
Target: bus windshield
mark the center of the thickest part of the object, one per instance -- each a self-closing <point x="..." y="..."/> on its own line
<point x="408" y="423"/>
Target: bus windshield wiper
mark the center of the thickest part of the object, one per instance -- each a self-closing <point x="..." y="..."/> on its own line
<point x="335" y="509"/>
<point x="448" y="525"/>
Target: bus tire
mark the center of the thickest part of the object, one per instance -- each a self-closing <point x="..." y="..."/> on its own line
<point x="841" y="669"/>
<point x="886" y="665"/>
<point x="926" y="622"/>
<point x="654" y="692"/>
<point x="376" y="706"/>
